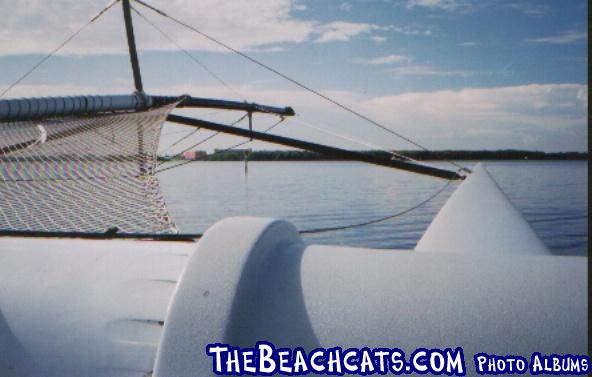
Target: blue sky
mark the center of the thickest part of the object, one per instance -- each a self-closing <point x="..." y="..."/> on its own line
<point x="450" y="74"/>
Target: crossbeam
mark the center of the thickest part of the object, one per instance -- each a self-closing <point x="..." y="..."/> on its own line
<point x="210" y="103"/>
<point x="21" y="109"/>
<point x="319" y="148"/>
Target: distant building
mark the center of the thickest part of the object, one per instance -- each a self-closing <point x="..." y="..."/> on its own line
<point x="194" y="155"/>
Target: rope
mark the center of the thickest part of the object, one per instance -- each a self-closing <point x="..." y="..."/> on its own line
<point x="222" y="150"/>
<point x="375" y="221"/>
<point x="293" y="81"/>
<point x="58" y="48"/>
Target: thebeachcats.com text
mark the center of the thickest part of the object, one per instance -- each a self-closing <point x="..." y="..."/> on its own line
<point x="264" y="359"/>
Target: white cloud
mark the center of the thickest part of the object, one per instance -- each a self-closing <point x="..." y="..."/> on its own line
<point x="562" y="38"/>
<point x="529" y="8"/>
<point x="550" y="117"/>
<point x="299" y="7"/>
<point x="434" y="4"/>
<point x="469" y="44"/>
<point x="426" y="70"/>
<point x="340" y="31"/>
<point x="264" y="49"/>
<point x="36" y="26"/>
<point x="378" y="39"/>
<point x="388" y="59"/>
<point x="407" y="30"/>
<point x="32" y="26"/>
<point x="27" y="90"/>
<point x="345" y="6"/>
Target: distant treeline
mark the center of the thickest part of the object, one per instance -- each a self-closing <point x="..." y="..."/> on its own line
<point x="510" y="154"/>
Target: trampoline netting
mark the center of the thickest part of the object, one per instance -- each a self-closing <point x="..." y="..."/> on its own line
<point x="83" y="174"/>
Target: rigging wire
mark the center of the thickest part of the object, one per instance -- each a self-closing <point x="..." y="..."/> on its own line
<point x="191" y="133"/>
<point x="173" y="133"/>
<point x="221" y="150"/>
<point x="185" y="137"/>
<point x="305" y="123"/>
<point x="188" y="54"/>
<point x="211" y="136"/>
<point x="293" y="81"/>
<point x="58" y="48"/>
<point x="380" y="219"/>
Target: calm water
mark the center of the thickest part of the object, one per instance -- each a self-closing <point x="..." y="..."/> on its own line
<point x="552" y="195"/>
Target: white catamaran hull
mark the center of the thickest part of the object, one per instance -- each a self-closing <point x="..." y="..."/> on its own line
<point x="479" y="279"/>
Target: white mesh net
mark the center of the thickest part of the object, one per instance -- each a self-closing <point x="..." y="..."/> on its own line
<point x="83" y="174"/>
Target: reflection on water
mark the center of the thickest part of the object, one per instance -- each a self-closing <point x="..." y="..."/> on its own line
<point x="552" y="195"/>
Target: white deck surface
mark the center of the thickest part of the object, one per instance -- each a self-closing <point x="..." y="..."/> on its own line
<point x="84" y="307"/>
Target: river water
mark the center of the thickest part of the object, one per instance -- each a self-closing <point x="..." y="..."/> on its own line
<point x="552" y="196"/>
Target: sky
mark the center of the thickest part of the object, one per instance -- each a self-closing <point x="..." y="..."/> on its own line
<point x="448" y="74"/>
